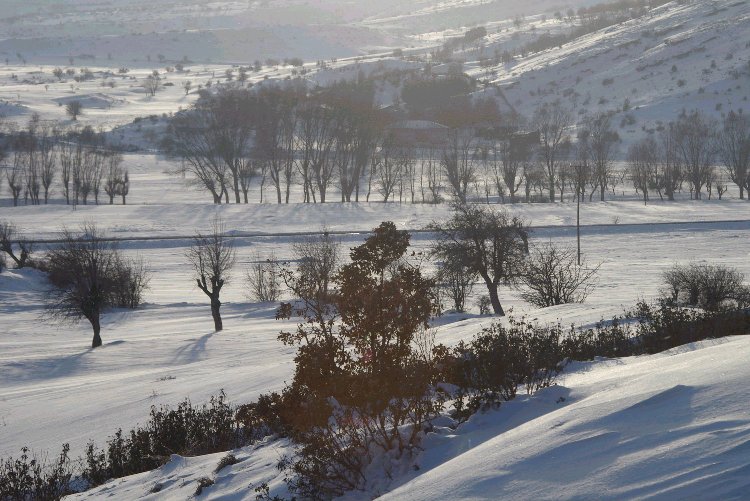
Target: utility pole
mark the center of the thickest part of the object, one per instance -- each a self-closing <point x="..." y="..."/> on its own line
<point x="578" y="218"/>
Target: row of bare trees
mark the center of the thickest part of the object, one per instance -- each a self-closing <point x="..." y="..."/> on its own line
<point x="38" y="157"/>
<point x="285" y="136"/>
<point x="686" y="152"/>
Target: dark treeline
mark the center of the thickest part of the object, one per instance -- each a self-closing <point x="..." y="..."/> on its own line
<point x="440" y="143"/>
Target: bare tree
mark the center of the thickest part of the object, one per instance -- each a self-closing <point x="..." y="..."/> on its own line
<point x="124" y="188"/>
<point x="74" y="109"/>
<point x="733" y="142"/>
<point x="552" y="122"/>
<point x="392" y="159"/>
<point x="114" y="176"/>
<point x="263" y="279"/>
<point x="194" y="144"/>
<point x="318" y="126"/>
<point x="459" y="281"/>
<point x="643" y="160"/>
<point x="275" y="136"/>
<point x="492" y="244"/>
<point x="47" y="159"/>
<point x="71" y="159"/>
<point x="213" y="140"/>
<point x="551" y="276"/>
<point x="151" y="85"/>
<point x="458" y="162"/>
<point x="534" y="178"/>
<point x="14" y="175"/>
<point x="514" y="154"/>
<point x="602" y="143"/>
<point x="670" y="171"/>
<point x="89" y="275"/>
<point x="26" y="159"/>
<point x="694" y="133"/>
<point x="431" y="173"/>
<point x="581" y="168"/>
<point x="318" y="259"/>
<point x="212" y="258"/>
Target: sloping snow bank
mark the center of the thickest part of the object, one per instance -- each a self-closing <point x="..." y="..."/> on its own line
<point x="670" y="426"/>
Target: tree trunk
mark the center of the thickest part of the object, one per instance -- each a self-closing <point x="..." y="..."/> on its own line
<point x="236" y="182"/>
<point x="215" y="306"/>
<point x="97" y="341"/>
<point x="495" y="299"/>
<point x="551" y="191"/>
<point x="742" y="192"/>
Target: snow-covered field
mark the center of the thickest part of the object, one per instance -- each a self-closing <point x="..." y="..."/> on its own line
<point x="672" y="425"/>
<point x="54" y="389"/>
<point x="669" y="426"/>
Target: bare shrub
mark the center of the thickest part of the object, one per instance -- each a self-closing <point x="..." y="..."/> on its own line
<point x="318" y="258"/>
<point x="458" y="280"/>
<point x="263" y="279"/>
<point x="36" y="478"/>
<point x="131" y="278"/>
<point x="710" y="287"/>
<point x="551" y="276"/>
<point x="203" y="483"/>
<point x="228" y="460"/>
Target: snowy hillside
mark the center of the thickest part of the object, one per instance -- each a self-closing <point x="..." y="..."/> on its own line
<point x="682" y="55"/>
<point x="668" y="426"/>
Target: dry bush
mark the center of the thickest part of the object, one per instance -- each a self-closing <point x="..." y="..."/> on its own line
<point x="707" y="286"/>
<point x="264" y="279"/>
<point x="551" y="276"/>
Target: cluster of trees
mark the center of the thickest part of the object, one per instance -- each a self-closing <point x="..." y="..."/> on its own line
<point x="78" y="162"/>
<point x="284" y="136"/>
<point x="686" y="151"/>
